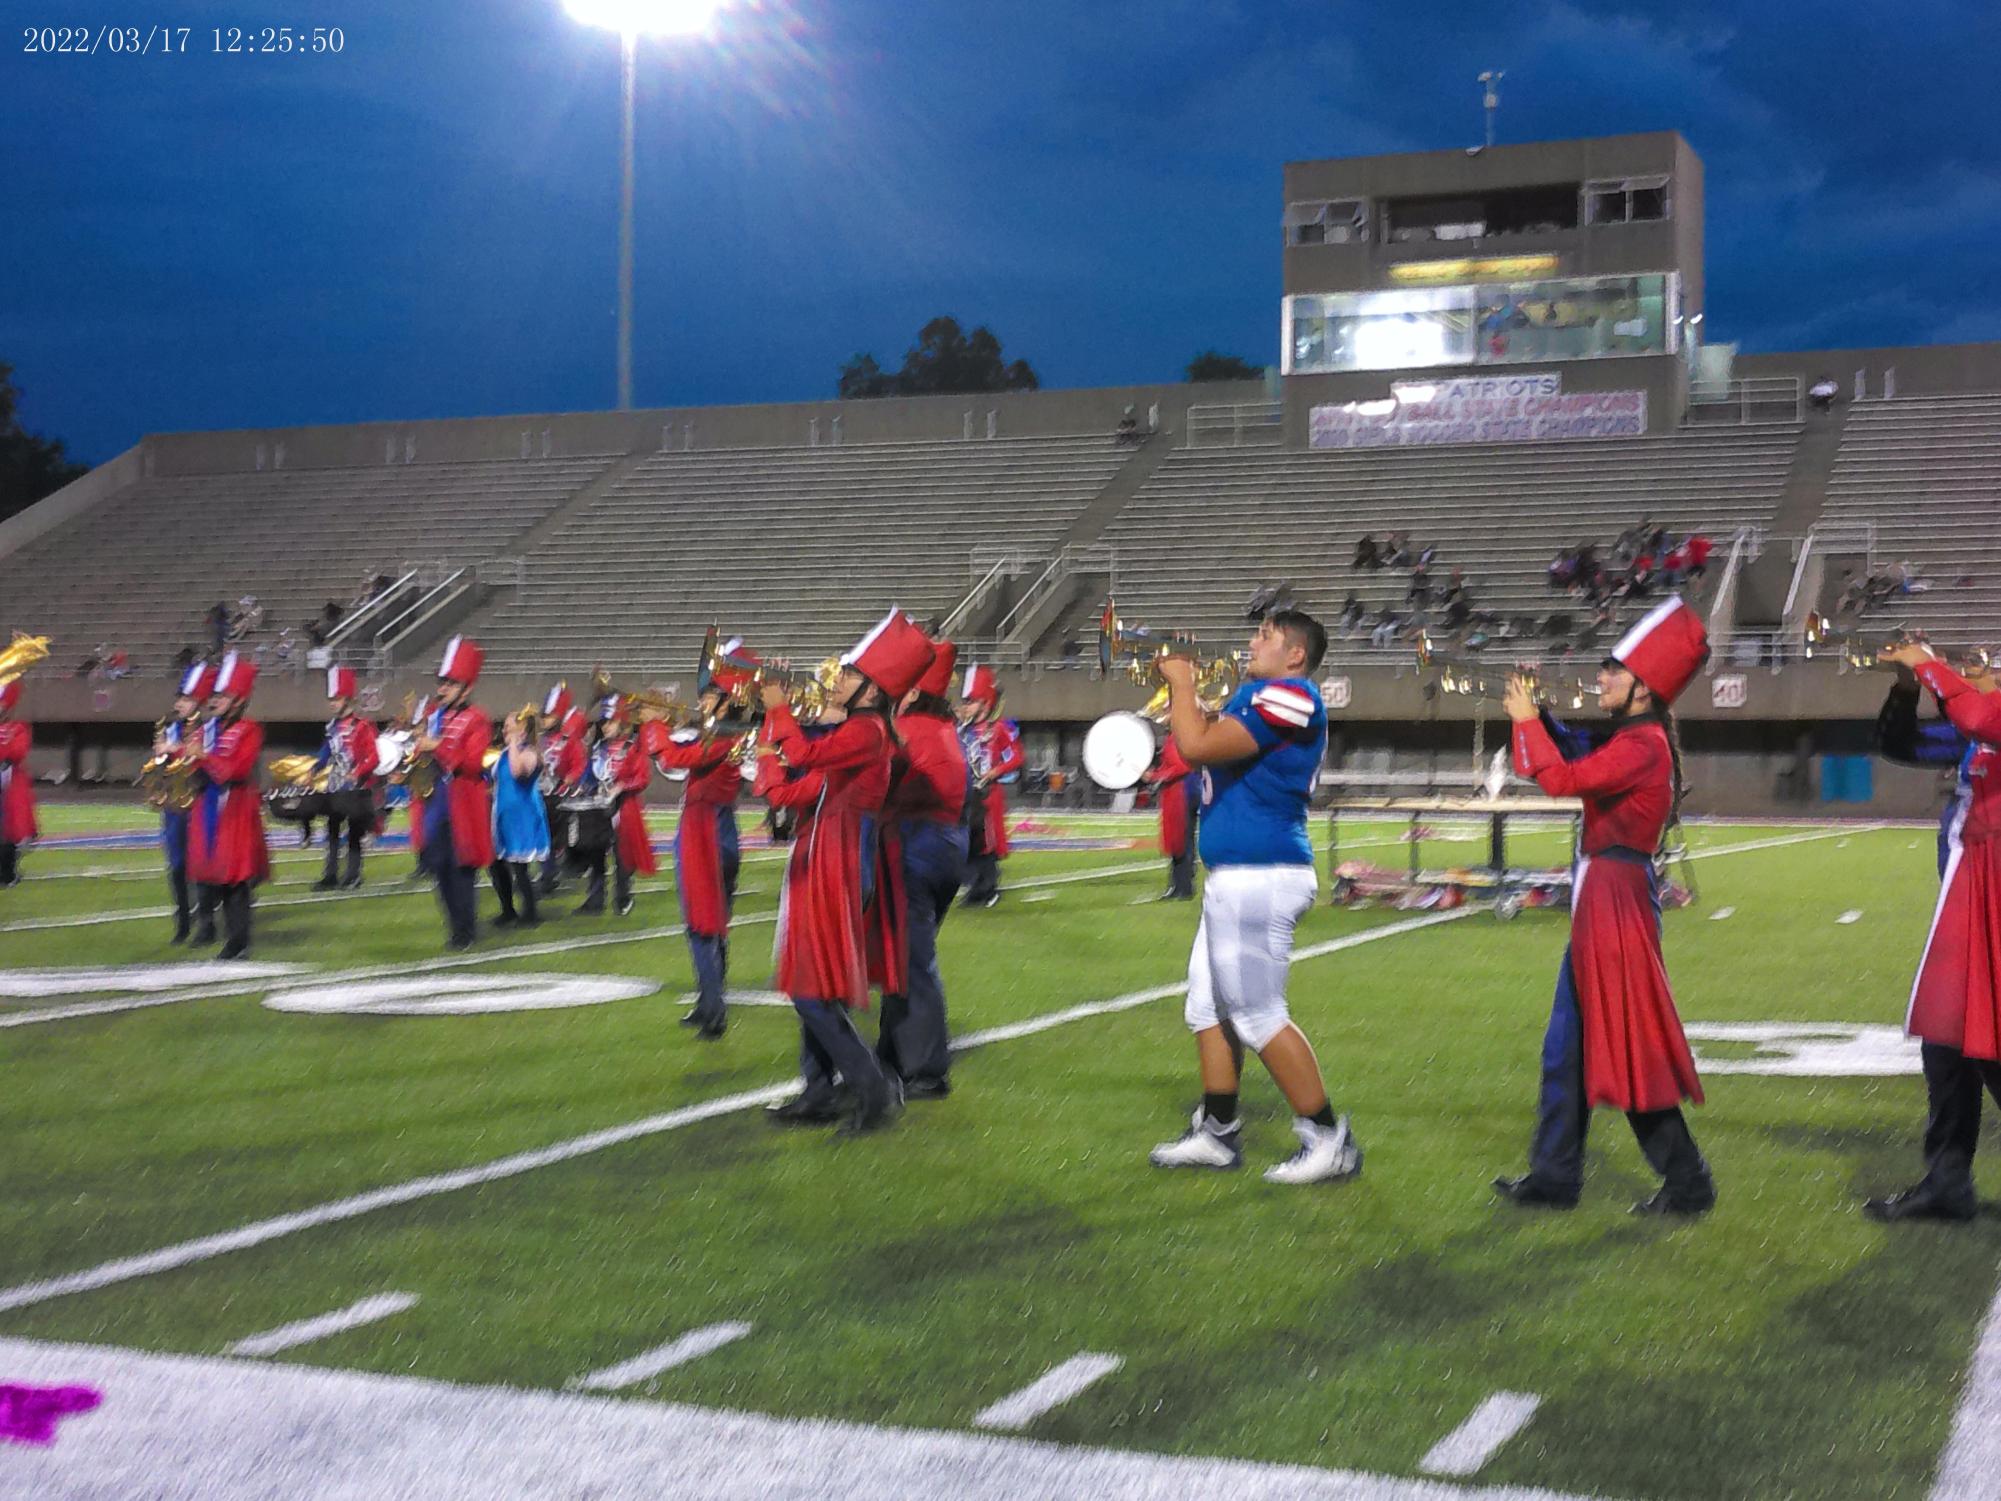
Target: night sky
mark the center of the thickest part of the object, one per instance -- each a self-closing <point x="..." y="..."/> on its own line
<point x="425" y="225"/>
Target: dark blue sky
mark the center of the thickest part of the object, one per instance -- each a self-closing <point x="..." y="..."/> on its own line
<point x="425" y="225"/>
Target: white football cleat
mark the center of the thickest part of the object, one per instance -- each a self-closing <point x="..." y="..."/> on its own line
<point x="1200" y="1146"/>
<point x="1324" y="1156"/>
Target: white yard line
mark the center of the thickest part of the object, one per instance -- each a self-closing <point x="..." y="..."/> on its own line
<point x="207" y="1247"/>
<point x="1051" y="1389"/>
<point x="1970" y="1468"/>
<point x="198" y="1428"/>
<point x="1467" y="1448"/>
<point x="227" y="985"/>
<point x="305" y="1331"/>
<point x="691" y="1346"/>
<point x="162" y="914"/>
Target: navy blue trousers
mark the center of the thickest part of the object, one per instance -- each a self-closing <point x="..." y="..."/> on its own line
<point x="457" y="884"/>
<point x="711" y="952"/>
<point x="830" y="1045"/>
<point x="914" y="1041"/>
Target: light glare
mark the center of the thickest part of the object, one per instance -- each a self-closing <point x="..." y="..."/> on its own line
<point x="646" y="17"/>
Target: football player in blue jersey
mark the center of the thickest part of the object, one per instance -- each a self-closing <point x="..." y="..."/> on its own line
<point x="1257" y="762"/>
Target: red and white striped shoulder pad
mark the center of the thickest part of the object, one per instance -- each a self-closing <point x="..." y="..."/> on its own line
<point x="1284" y="706"/>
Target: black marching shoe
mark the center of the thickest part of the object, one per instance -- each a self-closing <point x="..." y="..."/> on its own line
<point x="692" y="1019"/>
<point x="233" y="951"/>
<point x="812" y="1107"/>
<point x="594" y="908"/>
<point x="873" y="1109"/>
<point x="204" y="938"/>
<point x="350" y="881"/>
<point x="712" y="1031"/>
<point x="506" y="920"/>
<point x="326" y="883"/>
<point x="1531" y="1193"/>
<point x="180" y="936"/>
<point x="1687" y="1201"/>
<point x="1925" y="1201"/>
<point x="926" y="1089"/>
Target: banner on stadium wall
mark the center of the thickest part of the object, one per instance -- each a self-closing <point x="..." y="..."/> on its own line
<point x="1529" y="408"/>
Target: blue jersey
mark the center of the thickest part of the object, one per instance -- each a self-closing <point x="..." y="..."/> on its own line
<point x="1254" y="810"/>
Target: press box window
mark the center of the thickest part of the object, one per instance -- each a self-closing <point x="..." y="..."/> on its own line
<point x="1632" y="200"/>
<point x="1341" y="221"/>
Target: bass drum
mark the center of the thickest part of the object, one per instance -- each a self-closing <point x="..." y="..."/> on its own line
<point x="295" y="804"/>
<point x="391" y="751"/>
<point x="1118" y="749"/>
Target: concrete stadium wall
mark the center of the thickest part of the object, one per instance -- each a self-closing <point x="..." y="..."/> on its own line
<point x="71" y="501"/>
<point x="788" y="425"/>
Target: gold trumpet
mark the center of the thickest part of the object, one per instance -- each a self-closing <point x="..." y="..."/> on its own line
<point x="1822" y="638"/>
<point x="168" y="779"/>
<point x="24" y="653"/>
<point x="808" y="694"/>
<point x="1487" y="681"/>
<point x="1138" y="652"/>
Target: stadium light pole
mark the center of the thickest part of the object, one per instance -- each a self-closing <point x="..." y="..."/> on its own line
<point x="632" y="19"/>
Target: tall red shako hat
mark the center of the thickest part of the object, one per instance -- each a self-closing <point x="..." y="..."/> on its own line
<point x="198" y="681"/>
<point x="981" y="686"/>
<point x="463" y="660"/>
<point x="556" y="707"/>
<point x="236" y="677"/>
<point x="1665" y="650"/>
<point x="937" y="679"/>
<point x="734" y="675"/>
<point x="894" y="655"/>
<point x="340" y="683"/>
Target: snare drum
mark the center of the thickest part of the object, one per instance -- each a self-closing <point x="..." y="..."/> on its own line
<point x="587" y="827"/>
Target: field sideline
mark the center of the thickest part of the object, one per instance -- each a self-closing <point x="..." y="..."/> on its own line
<point x="236" y="1219"/>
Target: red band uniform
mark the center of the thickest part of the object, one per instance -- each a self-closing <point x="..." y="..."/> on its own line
<point x="924" y="833"/>
<point x="826" y="944"/>
<point x="458" y="816"/>
<point x="1955" y="1005"/>
<point x="1614" y="1036"/>
<point x="17" y="793"/>
<point x="350" y="755"/>
<point x="565" y="761"/>
<point x="706" y="848"/>
<point x="993" y="750"/>
<point x="227" y="855"/>
<point x="618" y="772"/>
<point x="1170" y="777"/>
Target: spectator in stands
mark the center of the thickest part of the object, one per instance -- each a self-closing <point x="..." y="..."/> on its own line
<point x="1366" y="555"/>
<point x="218" y="626"/>
<point x="1385" y="631"/>
<point x="1127" y="433"/>
<point x="316" y="633"/>
<point x="1396" y="550"/>
<point x="1562" y="570"/>
<point x="1458" y="602"/>
<point x="1427" y="555"/>
<point x="1822" y="393"/>
<point x="1352" y="613"/>
<point x="1419" y="592"/>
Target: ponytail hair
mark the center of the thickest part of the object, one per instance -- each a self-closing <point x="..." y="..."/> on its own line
<point x="1678" y="783"/>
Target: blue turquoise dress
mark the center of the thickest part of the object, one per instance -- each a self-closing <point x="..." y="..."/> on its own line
<point x="520" y="822"/>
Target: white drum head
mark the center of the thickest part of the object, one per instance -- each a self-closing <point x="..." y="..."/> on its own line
<point x="1118" y="749"/>
<point x="388" y="754"/>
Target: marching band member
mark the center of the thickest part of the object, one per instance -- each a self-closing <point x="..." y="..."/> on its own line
<point x="1176" y="791"/>
<point x="227" y="855"/>
<point x="923" y="821"/>
<point x="520" y="822"/>
<point x="1614" y="1037"/>
<point x="350" y="756"/>
<point x="993" y="750"/>
<point x="823" y="955"/>
<point x="1258" y="760"/>
<point x="17" y="793"/>
<point x="174" y="739"/>
<point x="562" y="767"/>
<point x="1955" y="1007"/>
<point x="458" y="816"/>
<point x="620" y="771"/>
<point x="705" y="841"/>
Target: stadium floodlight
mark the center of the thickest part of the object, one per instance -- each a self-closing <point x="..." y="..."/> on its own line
<point x="646" y="17"/>
<point x="632" y="19"/>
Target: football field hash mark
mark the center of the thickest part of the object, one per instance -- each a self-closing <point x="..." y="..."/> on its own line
<point x="1051" y="1389"/>
<point x="305" y="1331"/>
<point x="691" y="1346"/>
<point x="1467" y="1448"/>
<point x="1852" y="916"/>
<point x="1721" y="913"/>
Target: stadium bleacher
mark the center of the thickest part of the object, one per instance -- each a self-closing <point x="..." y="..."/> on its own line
<point x="1925" y="474"/>
<point x="800" y="547"/>
<point x="1211" y="526"/>
<point x="140" y="571"/>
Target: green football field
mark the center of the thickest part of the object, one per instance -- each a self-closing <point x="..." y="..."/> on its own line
<point x="540" y="1199"/>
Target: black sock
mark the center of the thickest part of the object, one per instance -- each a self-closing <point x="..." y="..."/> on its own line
<point x="1324" y="1116"/>
<point x="1220" y="1108"/>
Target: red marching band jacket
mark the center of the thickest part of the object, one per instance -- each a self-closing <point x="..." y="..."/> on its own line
<point x="927" y="778"/>
<point x="1000" y="746"/>
<point x="1168" y="775"/>
<point x="564" y="755"/>
<point x="462" y="746"/>
<point x="1956" y="997"/>
<point x="714" y="783"/>
<point x="17" y="796"/>
<point x="824" y="947"/>
<point x="1635" y="1055"/>
<point x="226" y="826"/>
<point x="627" y="773"/>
